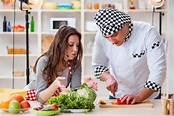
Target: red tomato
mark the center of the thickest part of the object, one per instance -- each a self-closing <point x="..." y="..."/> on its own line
<point x="119" y="101"/>
<point x="25" y="105"/>
<point x="52" y="106"/>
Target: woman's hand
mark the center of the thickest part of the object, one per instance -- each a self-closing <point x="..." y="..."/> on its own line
<point x="91" y="83"/>
<point x="64" y="90"/>
<point x="131" y="99"/>
<point x="58" y="82"/>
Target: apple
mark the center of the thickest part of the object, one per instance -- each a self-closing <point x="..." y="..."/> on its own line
<point x="14" y="107"/>
<point x="25" y="105"/>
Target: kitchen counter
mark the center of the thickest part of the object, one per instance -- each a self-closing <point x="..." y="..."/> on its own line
<point x="155" y="111"/>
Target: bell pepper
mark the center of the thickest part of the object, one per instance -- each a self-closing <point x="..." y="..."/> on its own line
<point x="119" y="102"/>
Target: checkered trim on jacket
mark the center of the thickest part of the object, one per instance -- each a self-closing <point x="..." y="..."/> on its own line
<point x="100" y="70"/>
<point x="152" y="86"/>
<point x="155" y="45"/>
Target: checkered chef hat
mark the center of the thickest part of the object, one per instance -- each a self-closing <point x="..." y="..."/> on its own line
<point x="111" y="20"/>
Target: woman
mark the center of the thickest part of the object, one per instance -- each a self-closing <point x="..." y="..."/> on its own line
<point x="59" y="69"/>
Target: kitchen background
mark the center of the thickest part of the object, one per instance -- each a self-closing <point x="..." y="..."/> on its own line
<point x="77" y="13"/>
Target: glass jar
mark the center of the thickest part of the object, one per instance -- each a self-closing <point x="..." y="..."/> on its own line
<point x="76" y="4"/>
<point x="96" y="6"/>
<point x="89" y="6"/>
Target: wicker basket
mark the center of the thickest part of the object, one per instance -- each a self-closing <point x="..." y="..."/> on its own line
<point x="18" y="73"/>
<point x="16" y="50"/>
<point x="8" y="6"/>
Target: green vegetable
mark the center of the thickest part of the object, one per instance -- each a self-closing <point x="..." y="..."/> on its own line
<point x="87" y="92"/>
<point x="81" y="98"/>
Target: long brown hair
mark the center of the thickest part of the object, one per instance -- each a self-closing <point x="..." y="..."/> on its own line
<point x="56" y="52"/>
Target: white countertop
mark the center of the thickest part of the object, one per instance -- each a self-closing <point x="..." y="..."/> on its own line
<point x="155" y="111"/>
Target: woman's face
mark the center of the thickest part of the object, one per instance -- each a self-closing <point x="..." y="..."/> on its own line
<point x="72" y="49"/>
<point x="119" y="37"/>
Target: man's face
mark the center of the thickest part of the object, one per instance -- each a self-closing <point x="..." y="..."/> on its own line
<point x="118" y="37"/>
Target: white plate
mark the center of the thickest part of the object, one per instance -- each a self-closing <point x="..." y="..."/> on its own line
<point x="76" y="110"/>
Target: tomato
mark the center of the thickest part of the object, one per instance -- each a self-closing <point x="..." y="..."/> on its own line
<point x="20" y="26"/>
<point x="24" y="105"/>
<point x="119" y="101"/>
<point x="52" y="106"/>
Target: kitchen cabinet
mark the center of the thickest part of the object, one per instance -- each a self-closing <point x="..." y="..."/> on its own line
<point x="84" y="23"/>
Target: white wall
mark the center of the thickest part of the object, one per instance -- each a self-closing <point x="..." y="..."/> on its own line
<point x="170" y="59"/>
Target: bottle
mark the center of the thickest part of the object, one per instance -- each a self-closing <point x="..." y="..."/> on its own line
<point x="4" y="24"/>
<point x="9" y="27"/>
<point x="32" y="24"/>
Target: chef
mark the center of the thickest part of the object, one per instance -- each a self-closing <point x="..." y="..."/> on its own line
<point x="129" y="56"/>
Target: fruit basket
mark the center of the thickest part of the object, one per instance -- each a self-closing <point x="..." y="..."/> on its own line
<point x="16" y="50"/>
<point x="14" y="103"/>
<point x="18" y="28"/>
<point x="6" y="93"/>
<point x="15" y="111"/>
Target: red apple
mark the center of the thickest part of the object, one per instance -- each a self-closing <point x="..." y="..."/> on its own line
<point x="25" y="105"/>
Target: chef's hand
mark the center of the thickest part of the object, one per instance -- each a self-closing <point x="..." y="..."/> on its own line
<point x="111" y="83"/>
<point x="91" y="83"/>
<point x="131" y="99"/>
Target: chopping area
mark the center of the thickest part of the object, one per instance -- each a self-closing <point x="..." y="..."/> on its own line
<point x="113" y="104"/>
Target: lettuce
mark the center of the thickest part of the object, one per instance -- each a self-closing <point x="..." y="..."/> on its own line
<point x="79" y="98"/>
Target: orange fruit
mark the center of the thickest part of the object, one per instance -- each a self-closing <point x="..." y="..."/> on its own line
<point x="4" y="104"/>
<point x="17" y="97"/>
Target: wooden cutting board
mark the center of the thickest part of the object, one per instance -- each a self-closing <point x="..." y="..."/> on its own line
<point x="144" y="104"/>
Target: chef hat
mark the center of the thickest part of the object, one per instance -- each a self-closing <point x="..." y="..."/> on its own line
<point x="111" y="20"/>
